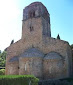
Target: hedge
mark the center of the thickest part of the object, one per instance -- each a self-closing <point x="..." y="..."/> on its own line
<point x="18" y="80"/>
<point x="2" y="71"/>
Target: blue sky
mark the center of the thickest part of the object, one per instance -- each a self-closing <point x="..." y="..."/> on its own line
<point x="61" y="16"/>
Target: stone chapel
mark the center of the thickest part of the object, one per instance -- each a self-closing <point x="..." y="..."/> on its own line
<point x="37" y="53"/>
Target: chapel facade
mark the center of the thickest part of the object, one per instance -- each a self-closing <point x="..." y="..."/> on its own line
<point x="37" y="53"/>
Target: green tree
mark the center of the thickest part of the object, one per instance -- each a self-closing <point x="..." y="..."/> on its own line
<point x="2" y="59"/>
<point x="72" y="46"/>
<point x="2" y="71"/>
<point x="0" y="51"/>
<point x="58" y="37"/>
<point x="72" y="51"/>
<point x="12" y="42"/>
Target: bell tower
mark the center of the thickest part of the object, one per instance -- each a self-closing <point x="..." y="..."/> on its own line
<point x="36" y="21"/>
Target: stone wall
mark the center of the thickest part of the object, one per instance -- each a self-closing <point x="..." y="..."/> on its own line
<point x="31" y="66"/>
<point x="47" y="45"/>
<point x="35" y="25"/>
<point x="13" y="68"/>
<point x="54" y="68"/>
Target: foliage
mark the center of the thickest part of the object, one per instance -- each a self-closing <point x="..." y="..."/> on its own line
<point x="2" y="59"/>
<point x="72" y="46"/>
<point x="2" y="71"/>
<point x="12" y="42"/>
<point x="58" y="37"/>
<point x="18" y="80"/>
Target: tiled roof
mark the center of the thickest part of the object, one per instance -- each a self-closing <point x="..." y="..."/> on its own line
<point x="53" y="55"/>
<point x="15" y="58"/>
<point x="32" y="52"/>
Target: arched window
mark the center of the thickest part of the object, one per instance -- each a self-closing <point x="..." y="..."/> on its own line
<point x="31" y="14"/>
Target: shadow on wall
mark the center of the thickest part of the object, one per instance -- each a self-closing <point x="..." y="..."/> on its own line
<point x="56" y="82"/>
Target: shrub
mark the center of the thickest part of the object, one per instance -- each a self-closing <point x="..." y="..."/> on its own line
<point x="2" y="71"/>
<point x="18" y="80"/>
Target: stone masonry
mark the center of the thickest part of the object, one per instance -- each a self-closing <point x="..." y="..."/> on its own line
<point x="37" y="53"/>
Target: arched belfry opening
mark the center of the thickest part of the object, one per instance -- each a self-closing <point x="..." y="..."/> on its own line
<point x="31" y="14"/>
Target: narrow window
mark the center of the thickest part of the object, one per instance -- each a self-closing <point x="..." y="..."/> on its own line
<point x="18" y="67"/>
<point x="25" y="66"/>
<point x="31" y="29"/>
<point x="34" y="14"/>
